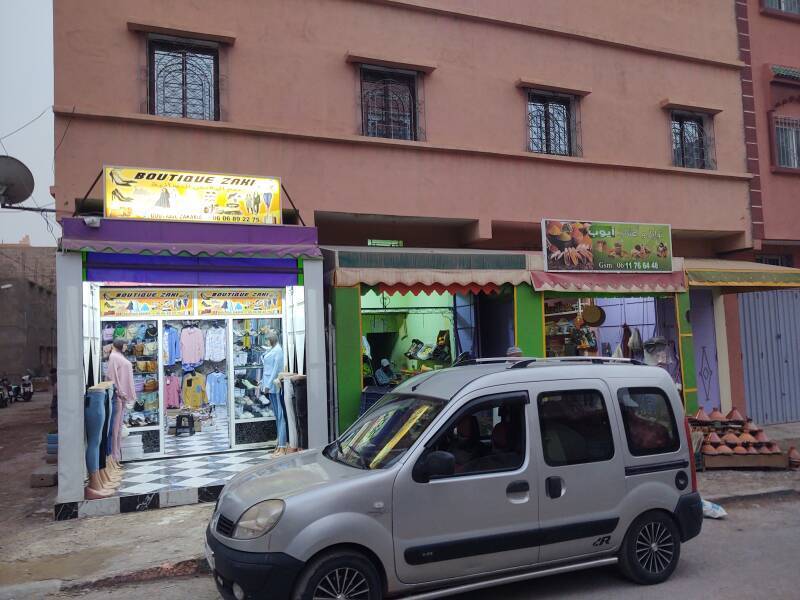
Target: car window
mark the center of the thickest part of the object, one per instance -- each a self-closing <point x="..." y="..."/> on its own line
<point x="649" y="422"/>
<point x="575" y="427"/>
<point x="488" y="436"/>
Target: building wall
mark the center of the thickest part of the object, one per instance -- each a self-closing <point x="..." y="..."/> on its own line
<point x="773" y="40"/>
<point x="290" y="106"/>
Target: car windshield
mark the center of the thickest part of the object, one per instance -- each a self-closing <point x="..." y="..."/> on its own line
<point x="384" y="433"/>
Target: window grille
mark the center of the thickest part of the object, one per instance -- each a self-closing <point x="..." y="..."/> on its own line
<point x="790" y="6"/>
<point x="389" y="104"/>
<point x="692" y="143"/>
<point x="787" y="142"/>
<point x="184" y="81"/>
<point x="552" y="124"/>
<point x="777" y="260"/>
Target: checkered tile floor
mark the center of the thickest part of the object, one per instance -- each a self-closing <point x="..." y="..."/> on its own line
<point x="187" y="472"/>
<point x="214" y="439"/>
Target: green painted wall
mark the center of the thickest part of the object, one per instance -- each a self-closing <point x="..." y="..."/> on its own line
<point x="529" y="325"/>
<point x="346" y="317"/>
<point x="687" y="354"/>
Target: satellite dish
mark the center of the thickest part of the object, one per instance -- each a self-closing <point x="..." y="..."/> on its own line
<point x="16" y="181"/>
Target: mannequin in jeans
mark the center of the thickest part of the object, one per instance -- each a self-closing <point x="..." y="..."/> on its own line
<point x="94" y="413"/>
<point x="272" y="363"/>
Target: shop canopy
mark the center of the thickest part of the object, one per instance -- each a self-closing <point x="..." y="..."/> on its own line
<point x="709" y="272"/>
<point x="190" y="239"/>
<point x="419" y="270"/>
<point x="607" y="283"/>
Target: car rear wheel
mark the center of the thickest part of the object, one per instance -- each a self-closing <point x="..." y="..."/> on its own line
<point x="651" y="549"/>
<point x="340" y="575"/>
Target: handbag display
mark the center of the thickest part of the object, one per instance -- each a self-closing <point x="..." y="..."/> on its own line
<point x="150" y="348"/>
<point x="151" y="385"/>
<point x="138" y="349"/>
<point x="146" y="366"/>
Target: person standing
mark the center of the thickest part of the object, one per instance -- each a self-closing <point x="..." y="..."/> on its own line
<point x="120" y="373"/>
<point x="272" y="363"/>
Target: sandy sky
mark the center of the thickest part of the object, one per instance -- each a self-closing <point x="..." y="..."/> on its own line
<point x="26" y="89"/>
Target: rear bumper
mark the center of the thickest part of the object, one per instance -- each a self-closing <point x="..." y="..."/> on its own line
<point x="261" y="575"/>
<point x="689" y="514"/>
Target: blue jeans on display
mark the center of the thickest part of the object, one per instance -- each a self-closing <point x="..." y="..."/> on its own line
<point x="111" y="404"/>
<point x="94" y="415"/>
<point x="276" y="401"/>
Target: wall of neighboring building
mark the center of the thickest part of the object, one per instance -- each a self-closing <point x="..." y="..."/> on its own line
<point x="290" y="106"/>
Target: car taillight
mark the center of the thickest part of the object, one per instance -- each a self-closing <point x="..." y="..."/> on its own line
<point x="691" y="452"/>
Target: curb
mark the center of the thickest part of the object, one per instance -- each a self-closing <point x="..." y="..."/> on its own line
<point x="184" y="568"/>
<point x="762" y="495"/>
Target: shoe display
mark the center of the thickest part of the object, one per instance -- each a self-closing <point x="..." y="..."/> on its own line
<point x="416" y="346"/>
<point x="425" y="352"/>
<point x="117" y="195"/>
<point x="119" y="180"/>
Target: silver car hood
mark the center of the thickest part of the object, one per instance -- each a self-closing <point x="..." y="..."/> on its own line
<point x="280" y="478"/>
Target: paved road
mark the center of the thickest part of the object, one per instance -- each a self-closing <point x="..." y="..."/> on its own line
<point x="754" y="553"/>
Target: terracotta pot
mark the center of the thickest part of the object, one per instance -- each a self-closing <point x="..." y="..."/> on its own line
<point x="746" y="438"/>
<point x="735" y="416"/>
<point x="751" y="450"/>
<point x="751" y="427"/>
<point x="724" y="450"/>
<point x="731" y="439"/>
<point x="794" y="455"/>
<point x="717" y="416"/>
<point x="713" y="439"/>
<point x="774" y="448"/>
<point x="740" y="450"/>
<point x="701" y="416"/>
<point x="764" y="450"/>
<point x="709" y="450"/>
<point x="762" y="438"/>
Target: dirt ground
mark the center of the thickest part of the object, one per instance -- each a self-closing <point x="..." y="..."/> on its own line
<point x="23" y="443"/>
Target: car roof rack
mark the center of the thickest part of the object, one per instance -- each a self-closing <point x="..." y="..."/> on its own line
<point x="594" y="360"/>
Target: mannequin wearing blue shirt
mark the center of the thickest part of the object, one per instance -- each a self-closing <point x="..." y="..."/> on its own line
<point x="272" y="363"/>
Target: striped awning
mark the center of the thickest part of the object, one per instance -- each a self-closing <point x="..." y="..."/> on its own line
<point x="708" y="272"/>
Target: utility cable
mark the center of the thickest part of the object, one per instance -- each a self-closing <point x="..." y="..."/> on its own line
<point x="36" y="118"/>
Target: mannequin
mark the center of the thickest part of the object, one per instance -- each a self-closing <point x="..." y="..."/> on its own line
<point x="94" y="419"/>
<point x="272" y="363"/>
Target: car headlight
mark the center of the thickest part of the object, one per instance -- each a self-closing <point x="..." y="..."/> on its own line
<point x="258" y="519"/>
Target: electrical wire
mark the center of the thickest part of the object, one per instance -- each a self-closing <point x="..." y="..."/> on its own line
<point x="63" y="135"/>
<point x="36" y="118"/>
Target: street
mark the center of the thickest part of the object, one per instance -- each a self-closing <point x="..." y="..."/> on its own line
<point x="753" y="551"/>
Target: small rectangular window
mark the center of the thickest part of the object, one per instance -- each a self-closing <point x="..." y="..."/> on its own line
<point x="389" y="103"/>
<point x="183" y="80"/>
<point x="787" y="142"/>
<point x="789" y="6"/>
<point x="551" y="124"/>
<point x="778" y="260"/>
<point x="692" y="146"/>
<point x="649" y="422"/>
<point x="575" y="427"/>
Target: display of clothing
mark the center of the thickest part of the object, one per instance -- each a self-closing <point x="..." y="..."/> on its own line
<point x="171" y="344"/>
<point x="272" y="363"/>
<point x="216" y="344"/>
<point x="193" y="390"/>
<point x="119" y="332"/>
<point x="172" y="391"/>
<point x="192" y="347"/>
<point x="108" y="333"/>
<point x="217" y="389"/>
<point x="120" y="373"/>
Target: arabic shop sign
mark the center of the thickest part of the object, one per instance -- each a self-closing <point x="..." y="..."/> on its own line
<point x="603" y="246"/>
<point x="138" y="302"/>
<point x="239" y="302"/>
<point x="159" y="195"/>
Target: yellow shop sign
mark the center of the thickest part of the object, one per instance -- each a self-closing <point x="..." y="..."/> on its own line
<point x="161" y="195"/>
<point x="138" y="302"/>
<point x="239" y="302"/>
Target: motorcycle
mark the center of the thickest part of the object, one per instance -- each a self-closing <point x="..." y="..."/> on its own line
<point x="27" y="388"/>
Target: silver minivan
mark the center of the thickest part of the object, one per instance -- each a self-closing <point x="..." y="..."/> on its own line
<point x="464" y="478"/>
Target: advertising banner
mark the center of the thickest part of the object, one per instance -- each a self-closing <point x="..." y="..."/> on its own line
<point x="221" y="302"/>
<point x="138" y="302"/>
<point x="161" y="195"/>
<point x="604" y="246"/>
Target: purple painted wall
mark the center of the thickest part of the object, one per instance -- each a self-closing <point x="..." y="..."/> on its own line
<point x="705" y="349"/>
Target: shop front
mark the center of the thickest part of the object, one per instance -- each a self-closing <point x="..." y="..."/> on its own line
<point x="209" y="308"/>
<point x="396" y="313"/>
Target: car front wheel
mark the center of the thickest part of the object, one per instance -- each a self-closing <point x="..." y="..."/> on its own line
<point x="340" y="575"/>
<point x="651" y="549"/>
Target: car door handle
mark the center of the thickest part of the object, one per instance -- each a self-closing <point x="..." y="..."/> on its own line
<point x="518" y="487"/>
<point x="554" y="486"/>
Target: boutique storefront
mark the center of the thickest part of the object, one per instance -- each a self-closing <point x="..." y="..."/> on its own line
<point x="213" y="305"/>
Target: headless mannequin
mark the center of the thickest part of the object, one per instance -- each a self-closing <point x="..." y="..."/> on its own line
<point x="99" y="484"/>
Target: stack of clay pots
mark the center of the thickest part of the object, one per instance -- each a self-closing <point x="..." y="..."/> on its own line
<point x="731" y="434"/>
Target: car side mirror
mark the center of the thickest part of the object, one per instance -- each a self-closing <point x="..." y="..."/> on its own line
<point x="436" y="464"/>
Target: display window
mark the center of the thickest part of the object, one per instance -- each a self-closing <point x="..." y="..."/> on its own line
<point x="204" y="364"/>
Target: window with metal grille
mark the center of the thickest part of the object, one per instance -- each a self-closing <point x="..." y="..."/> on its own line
<point x="184" y="80"/>
<point x="790" y="6"/>
<point x="389" y="103"/>
<point x="787" y="142"/>
<point x="777" y="260"/>
<point x="692" y="145"/>
<point x="551" y="124"/>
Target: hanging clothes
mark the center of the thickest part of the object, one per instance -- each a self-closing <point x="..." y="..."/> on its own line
<point x="216" y="344"/>
<point x="217" y="389"/>
<point x="171" y="345"/>
<point x="172" y="391"/>
<point x="192" y="347"/>
<point x="626" y="336"/>
<point x="193" y="390"/>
